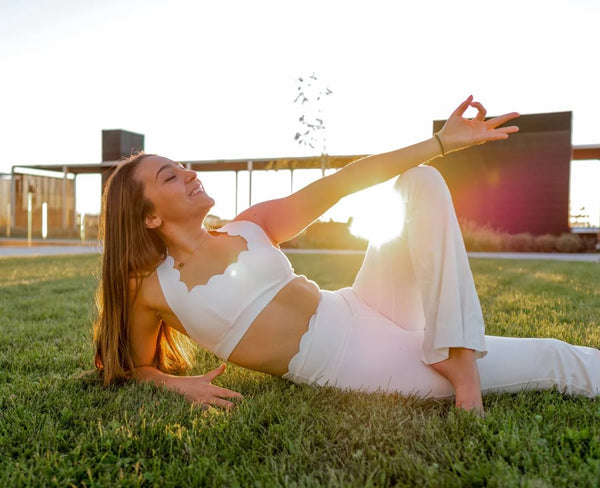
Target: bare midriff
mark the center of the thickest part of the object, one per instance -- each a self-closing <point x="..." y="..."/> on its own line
<point x="273" y="339"/>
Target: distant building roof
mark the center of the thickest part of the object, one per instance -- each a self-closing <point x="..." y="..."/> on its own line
<point x="589" y="151"/>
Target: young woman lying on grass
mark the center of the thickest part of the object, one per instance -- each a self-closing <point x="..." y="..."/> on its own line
<point x="411" y="323"/>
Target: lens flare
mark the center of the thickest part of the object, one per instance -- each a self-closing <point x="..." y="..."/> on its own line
<point x="378" y="214"/>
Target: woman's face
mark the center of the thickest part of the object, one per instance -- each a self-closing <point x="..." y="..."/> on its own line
<point x="175" y="192"/>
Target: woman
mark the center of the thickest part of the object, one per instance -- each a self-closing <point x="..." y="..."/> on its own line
<point x="411" y="323"/>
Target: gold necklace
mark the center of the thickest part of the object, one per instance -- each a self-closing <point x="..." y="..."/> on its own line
<point x="182" y="261"/>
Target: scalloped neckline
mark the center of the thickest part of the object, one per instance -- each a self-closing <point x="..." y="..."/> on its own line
<point x="171" y="265"/>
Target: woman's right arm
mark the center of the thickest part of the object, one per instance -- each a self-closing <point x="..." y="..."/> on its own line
<point x="144" y="327"/>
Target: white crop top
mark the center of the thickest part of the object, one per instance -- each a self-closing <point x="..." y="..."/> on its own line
<point x="218" y="313"/>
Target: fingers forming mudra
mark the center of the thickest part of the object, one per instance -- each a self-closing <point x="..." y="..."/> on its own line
<point x="460" y="132"/>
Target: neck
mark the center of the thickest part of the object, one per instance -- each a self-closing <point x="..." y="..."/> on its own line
<point x="181" y="241"/>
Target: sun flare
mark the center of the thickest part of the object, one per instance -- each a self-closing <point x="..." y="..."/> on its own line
<point x="378" y="214"/>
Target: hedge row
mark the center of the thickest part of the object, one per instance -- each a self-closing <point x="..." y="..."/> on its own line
<point x="478" y="238"/>
<point x="335" y="235"/>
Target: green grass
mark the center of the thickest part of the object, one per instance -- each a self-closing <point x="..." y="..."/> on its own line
<point x="57" y="429"/>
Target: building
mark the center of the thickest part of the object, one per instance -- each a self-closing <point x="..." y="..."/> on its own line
<point x="51" y="198"/>
<point x="517" y="185"/>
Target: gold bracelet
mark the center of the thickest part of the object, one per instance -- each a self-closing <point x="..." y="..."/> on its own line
<point x="440" y="143"/>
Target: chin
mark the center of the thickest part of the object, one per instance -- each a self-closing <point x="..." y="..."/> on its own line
<point x="207" y="205"/>
<point x="205" y="201"/>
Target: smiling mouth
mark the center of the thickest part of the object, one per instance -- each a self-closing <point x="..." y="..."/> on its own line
<point x="198" y="190"/>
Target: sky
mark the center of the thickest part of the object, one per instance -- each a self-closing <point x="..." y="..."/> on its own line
<point x="207" y="79"/>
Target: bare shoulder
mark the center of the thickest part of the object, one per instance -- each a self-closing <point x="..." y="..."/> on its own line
<point x="253" y="214"/>
<point x="142" y="285"/>
<point x="259" y="215"/>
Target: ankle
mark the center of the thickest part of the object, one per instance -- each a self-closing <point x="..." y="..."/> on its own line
<point x="461" y="370"/>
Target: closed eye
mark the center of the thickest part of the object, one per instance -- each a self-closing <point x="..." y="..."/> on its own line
<point x="170" y="178"/>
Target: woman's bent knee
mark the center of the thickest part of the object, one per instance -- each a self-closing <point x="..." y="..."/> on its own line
<point x="422" y="180"/>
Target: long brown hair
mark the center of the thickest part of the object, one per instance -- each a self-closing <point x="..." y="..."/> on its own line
<point x="131" y="252"/>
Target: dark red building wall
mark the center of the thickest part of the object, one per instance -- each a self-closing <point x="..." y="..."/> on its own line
<point x="517" y="185"/>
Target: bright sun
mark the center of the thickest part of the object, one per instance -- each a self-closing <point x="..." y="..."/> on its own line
<point x="378" y="213"/>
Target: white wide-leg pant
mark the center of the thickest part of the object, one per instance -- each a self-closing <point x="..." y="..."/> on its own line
<point x="412" y="300"/>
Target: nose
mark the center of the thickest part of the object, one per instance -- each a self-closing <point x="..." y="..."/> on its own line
<point x="190" y="175"/>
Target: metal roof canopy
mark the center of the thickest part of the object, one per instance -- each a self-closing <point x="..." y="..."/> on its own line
<point x="309" y="162"/>
<point x="106" y="168"/>
<point x="590" y="151"/>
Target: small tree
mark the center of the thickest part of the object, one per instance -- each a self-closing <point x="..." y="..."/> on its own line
<point x="311" y="95"/>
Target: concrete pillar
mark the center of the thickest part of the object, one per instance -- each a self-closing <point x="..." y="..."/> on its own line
<point x="29" y="218"/>
<point x="44" y="220"/>
<point x="8" y="219"/>
<point x="75" y="203"/>
<point x="249" y="183"/>
<point x="13" y="200"/>
<point x="236" y="193"/>
<point x="64" y="199"/>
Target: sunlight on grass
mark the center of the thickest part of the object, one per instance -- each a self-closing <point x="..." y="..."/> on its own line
<point x="29" y="270"/>
<point x="550" y="277"/>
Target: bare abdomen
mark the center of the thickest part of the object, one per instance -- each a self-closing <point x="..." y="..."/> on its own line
<point x="274" y="336"/>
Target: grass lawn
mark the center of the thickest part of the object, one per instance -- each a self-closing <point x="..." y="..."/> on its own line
<point x="59" y="429"/>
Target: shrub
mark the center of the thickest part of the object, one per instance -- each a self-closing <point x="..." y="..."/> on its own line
<point x="482" y="238"/>
<point x="520" y="242"/>
<point x="326" y="235"/>
<point x="589" y="242"/>
<point x="545" y="243"/>
<point x="485" y="238"/>
<point x="569" y="243"/>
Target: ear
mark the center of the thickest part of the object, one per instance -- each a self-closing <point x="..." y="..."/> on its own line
<point x="152" y="222"/>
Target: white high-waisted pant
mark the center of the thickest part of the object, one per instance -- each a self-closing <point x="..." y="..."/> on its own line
<point x="412" y="300"/>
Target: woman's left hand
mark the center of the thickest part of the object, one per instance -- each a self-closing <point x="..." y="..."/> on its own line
<point x="459" y="132"/>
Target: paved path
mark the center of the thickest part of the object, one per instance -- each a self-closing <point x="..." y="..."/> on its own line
<point x="552" y="256"/>
<point x="11" y="251"/>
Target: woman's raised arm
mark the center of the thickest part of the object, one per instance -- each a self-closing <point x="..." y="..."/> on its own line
<point x="284" y="218"/>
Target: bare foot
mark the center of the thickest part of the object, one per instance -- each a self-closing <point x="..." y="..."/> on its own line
<point x="461" y="370"/>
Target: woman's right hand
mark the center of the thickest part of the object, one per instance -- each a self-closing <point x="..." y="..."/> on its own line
<point x="460" y="132"/>
<point x="196" y="389"/>
<point x="199" y="389"/>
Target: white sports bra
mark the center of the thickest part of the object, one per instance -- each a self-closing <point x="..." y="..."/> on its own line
<point x="218" y="313"/>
